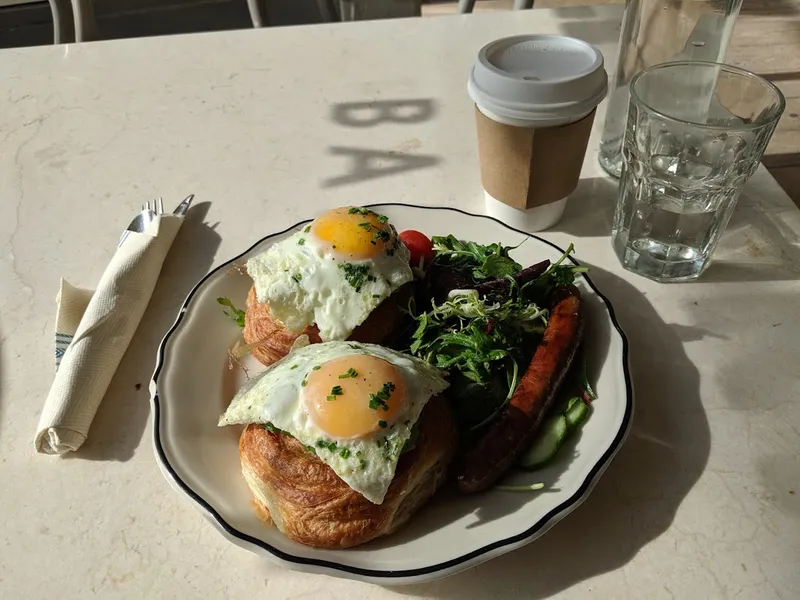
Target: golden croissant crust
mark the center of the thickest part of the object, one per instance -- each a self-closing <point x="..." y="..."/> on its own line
<point x="308" y="502"/>
<point x="277" y="340"/>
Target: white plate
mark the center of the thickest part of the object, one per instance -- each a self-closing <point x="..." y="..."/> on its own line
<point x="192" y="386"/>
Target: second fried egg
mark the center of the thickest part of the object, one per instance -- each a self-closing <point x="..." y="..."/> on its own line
<point x="333" y="273"/>
<point x="353" y="405"/>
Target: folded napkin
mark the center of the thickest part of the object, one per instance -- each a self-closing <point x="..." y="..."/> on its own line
<point x="93" y="331"/>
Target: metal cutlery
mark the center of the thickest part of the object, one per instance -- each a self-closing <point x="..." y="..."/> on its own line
<point x="184" y="206"/>
<point x="142" y="220"/>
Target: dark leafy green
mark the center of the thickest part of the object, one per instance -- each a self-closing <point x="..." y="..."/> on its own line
<point x="479" y="261"/>
<point x="561" y="273"/>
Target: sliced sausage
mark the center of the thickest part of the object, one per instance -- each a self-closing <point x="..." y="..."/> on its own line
<point x="513" y="431"/>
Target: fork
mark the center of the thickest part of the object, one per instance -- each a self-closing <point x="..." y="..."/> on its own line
<point x="143" y="219"/>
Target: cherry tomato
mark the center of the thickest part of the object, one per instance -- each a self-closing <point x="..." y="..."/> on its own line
<point x="419" y="245"/>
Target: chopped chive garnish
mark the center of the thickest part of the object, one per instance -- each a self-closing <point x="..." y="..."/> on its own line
<point x="351" y="373"/>
<point x="356" y="275"/>
<point x="330" y="446"/>
<point x="378" y="400"/>
<point x="344" y="453"/>
<point x="297" y="277"/>
<point x="301" y="241"/>
<point x="271" y="428"/>
<point x="307" y="229"/>
<point x="382" y="218"/>
<point x="316" y="368"/>
<point x="382" y="424"/>
<point x="304" y="383"/>
<point x="294" y="366"/>
<point x="365" y="225"/>
<point x="382" y="234"/>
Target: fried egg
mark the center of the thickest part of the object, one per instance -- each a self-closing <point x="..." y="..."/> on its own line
<point x="332" y="273"/>
<point x="353" y="405"/>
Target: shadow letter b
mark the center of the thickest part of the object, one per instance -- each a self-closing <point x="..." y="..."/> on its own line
<point x="368" y="114"/>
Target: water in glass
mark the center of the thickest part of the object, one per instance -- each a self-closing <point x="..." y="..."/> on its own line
<point x="685" y="162"/>
<point x="671" y="212"/>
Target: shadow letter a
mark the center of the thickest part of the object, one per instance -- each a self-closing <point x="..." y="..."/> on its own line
<point x="370" y="164"/>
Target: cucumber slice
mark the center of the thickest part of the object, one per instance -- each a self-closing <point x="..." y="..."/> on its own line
<point x="546" y="444"/>
<point x="562" y="406"/>
<point x="576" y="415"/>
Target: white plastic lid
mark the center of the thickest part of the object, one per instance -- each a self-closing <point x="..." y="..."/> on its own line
<point x="538" y="77"/>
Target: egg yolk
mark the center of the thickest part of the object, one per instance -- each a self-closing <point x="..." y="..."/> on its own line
<point x="352" y="232"/>
<point x="354" y="396"/>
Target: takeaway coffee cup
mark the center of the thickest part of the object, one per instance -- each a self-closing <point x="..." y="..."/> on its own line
<point x="535" y="99"/>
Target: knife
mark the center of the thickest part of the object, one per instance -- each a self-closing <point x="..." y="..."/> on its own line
<point x="184" y="206"/>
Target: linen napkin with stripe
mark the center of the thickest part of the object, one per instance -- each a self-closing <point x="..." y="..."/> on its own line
<point x="93" y="330"/>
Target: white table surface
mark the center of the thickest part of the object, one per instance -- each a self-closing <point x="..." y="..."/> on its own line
<point x="703" y="501"/>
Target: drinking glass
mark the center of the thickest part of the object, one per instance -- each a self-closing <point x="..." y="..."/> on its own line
<point x="695" y="134"/>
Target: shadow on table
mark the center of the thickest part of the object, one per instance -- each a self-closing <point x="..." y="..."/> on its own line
<point x="120" y="422"/>
<point x="763" y="246"/>
<point x="362" y="164"/>
<point x="590" y="208"/>
<point x="636" y="500"/>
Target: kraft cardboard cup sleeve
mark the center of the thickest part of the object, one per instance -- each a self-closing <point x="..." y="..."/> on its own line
<point x="535" y="99"/>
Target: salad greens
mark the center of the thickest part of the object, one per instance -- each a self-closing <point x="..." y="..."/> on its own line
<point x="235" y="314"/>
<point x="481" y="262"/>
<point x="557" y="274"/>
<point x="485" y="341"/>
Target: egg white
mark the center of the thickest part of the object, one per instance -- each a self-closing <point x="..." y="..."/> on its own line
<point x="303" y="284"/>
<point x="274" y="397"/>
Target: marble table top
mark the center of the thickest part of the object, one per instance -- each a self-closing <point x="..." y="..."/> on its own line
<point x="268" y="127"/>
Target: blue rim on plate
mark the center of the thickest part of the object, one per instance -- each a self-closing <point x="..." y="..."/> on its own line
<point x="575" y="499"/>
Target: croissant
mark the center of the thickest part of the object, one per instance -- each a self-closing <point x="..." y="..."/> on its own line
<point x="275" y="341"/>
<point x="306" y="500"/>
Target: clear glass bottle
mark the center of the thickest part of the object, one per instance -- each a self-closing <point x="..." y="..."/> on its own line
<point x="654" y="32"/>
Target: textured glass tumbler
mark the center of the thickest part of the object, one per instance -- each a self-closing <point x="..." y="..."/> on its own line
<point x="695" y="134"/>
